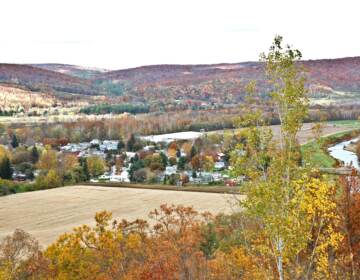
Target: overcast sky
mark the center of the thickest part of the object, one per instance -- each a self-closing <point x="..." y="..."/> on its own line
<point x="118" y="34"/>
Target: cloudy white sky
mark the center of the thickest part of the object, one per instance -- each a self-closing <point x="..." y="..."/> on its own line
<point x="118" y="34"/>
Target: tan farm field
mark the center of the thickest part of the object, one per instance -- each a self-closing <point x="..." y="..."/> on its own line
<point x="47" y="214"/>
<point x="306" y="133"/>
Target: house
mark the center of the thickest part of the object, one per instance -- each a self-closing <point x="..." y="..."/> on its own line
<point x="219" y="165"/>
<point x="216" y="177"/>
<point x="95" y="142"/>
<point x="105" y="176"/>
<point x="124" y="177"/>
<point x="169" y="170"/>
<point x="149" y="148"/>
<point x="109" y="145"/>
<point x="204" y="178"/>
<point x="170" y="137"/>
<point x="75" y="148"/>
<point x="130" y="155"/>
<point x="92" y="152"/>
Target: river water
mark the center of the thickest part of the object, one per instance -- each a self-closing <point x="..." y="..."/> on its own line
<point x="348" y="158"/>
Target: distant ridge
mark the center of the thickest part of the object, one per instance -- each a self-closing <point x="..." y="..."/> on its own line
<point x="201" y="82"/>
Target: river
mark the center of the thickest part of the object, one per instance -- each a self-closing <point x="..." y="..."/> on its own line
<point x="348" y="158"/>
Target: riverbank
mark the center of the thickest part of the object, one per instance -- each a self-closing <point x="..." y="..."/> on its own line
<point x="351" y="147"/>
<point x="315" y="153"/>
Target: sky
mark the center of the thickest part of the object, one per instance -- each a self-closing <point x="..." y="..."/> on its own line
<point x="117" y="34"/>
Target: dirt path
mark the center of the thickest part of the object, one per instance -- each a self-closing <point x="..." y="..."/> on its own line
<point x="47" y="214"/>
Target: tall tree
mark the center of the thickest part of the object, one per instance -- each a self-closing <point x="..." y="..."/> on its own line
<point x="292" y="209"/>
<point x="131" y="143"/>
<point x="5" y="168"/>
<point x="34" y="155"/>
<point x="48" y="160"/>
<point x="164" y="159"/>
<point x="14" y="141"/>
<point x="121" y="144"/>
<point x="84" y="165"/>
<point x="181" y="163"/>
<point x="96" y="166"/>
<point x="193" y="152"/>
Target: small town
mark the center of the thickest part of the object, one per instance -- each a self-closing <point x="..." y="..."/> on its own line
<point x="182" y="158"/>
<point x="166" y="159"/>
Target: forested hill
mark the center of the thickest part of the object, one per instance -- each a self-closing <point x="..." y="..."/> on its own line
<point x="217" y="83"/>
<point x="38" y="79"/>
<point x="341" y="74"/>
<point x="72" y="70"/>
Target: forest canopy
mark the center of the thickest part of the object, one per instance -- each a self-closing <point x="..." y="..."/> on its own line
<point x="115" y="109"/>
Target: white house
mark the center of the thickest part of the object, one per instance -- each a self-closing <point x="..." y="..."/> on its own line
<point x="95" y="142"/>
<point x="170" y="170"/>
<point x="219" y="165"/>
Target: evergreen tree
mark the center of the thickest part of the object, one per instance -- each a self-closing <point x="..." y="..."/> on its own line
<point x="121" y="144"/>
<point x="193" y="151"/>
<point x="84" y="165"/>
<point x="131" y="143"/>
<point x="164" y="159"/>
<point x="181" y="163"/>
<point x="86" y="171"/>
<point x="134" y="158"/>
<point x="14" y="141"/>
<point x="5" y="168"/>
<point x="34" y="155"/>
<point x="135" y="166"/>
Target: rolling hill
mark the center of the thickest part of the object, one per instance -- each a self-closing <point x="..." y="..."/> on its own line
<point x="72" y="70"/>
<point x="190" y="85"/>
<point x="38" y="79"/>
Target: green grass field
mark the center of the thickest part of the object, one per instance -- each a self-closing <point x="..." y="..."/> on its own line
<point x="315" y="153"/>
<point x="347" y="123"/>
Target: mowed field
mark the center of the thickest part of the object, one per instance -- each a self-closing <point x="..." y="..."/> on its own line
<point x="47" y="214"/>
<point x="306" y="133"/>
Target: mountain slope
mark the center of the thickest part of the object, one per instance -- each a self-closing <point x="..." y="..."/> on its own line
<point x="191" y="85"/>
<point x="72" y="70"/>
<point x="329" y="80"/>
<point x="37" y="79"/>
<point x="340" y="74"/>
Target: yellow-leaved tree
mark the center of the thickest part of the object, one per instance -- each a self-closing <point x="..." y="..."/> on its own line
<point x="295" y="212"/>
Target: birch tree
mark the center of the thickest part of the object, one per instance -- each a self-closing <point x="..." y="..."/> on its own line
<point x="295" y="211"/>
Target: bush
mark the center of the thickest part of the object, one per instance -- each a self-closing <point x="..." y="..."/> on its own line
<point x="115" y="108"/>
<point x="10" y="187"/>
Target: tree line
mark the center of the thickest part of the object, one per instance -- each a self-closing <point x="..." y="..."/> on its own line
<point x="115" y="109"/>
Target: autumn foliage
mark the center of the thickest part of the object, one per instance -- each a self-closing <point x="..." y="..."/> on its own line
<point x="294" y="222"/>
<point x="181" y="244"/>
